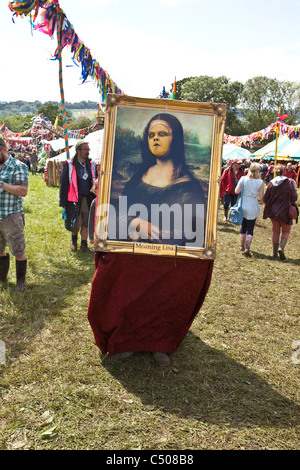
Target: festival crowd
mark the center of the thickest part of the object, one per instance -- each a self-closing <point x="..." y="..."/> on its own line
<point x="136" y="316"/>
<point x="246" y="180"/>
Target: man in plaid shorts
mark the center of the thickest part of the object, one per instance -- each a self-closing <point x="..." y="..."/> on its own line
<point x="13" y="187"/>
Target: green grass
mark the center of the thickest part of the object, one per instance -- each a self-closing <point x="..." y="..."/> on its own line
<point x="232" y="383"/>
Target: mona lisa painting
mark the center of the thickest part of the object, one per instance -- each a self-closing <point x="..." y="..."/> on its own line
<point x="158" y="191"/>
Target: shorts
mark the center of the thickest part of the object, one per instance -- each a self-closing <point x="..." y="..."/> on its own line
<point x="83" y="218"/>
<point x="12" y="233"/>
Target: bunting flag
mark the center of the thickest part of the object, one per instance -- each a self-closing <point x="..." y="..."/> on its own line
<point x="293" y="132"/>
<point x="41" y="129"/>
<point x="23" y="8"/>
<point x="51" y="16"/>
<point x="172" y="97"/>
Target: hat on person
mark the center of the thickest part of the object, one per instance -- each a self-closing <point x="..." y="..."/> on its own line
<point x="79" y="143"/>
<point x="237" y="161"/>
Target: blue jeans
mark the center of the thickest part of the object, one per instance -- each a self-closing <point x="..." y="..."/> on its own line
<point x="230" y="200"/>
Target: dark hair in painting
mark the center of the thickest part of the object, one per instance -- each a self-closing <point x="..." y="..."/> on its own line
<point x="177" y="145"/>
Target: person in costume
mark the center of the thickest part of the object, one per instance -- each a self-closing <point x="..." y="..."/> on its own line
<point x="145" y="303"/>
<point x="164" y="182"/>
<point x="77" y="178"/>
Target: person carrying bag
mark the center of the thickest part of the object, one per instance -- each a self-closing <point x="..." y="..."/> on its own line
<point x="250" y="186"/>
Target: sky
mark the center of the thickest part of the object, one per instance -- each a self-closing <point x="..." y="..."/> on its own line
<point x="144" y="44"/>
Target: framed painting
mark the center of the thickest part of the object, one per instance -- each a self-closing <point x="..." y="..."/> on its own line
<point x="158" y="189"/>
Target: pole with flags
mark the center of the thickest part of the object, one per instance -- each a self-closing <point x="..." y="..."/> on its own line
<point x="278" y="129"/>
<point x="62" y="94"/>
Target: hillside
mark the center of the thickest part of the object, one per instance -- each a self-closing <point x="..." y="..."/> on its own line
<point x="23" y="108"/>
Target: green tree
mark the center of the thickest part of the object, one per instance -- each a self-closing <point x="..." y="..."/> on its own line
<point x="17" y="123"/>
<point x="218" y="90"/>
<point x="262" y="98"/>
<point x="81" y="123"/>
<point x="288" y="99"/>
<point x="51" y="111"/>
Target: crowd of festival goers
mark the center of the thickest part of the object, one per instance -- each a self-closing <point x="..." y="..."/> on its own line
<point x="275" y="185"/>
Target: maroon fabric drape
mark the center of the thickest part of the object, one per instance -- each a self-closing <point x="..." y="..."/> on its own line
<point x="145" y="303"/>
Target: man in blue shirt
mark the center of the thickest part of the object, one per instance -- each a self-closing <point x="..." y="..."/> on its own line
<point x="13" y="187"/>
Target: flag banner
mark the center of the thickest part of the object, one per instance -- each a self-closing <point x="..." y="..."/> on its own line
<point x="51" y="15"/>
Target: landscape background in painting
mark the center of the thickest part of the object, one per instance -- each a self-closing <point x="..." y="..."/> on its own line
<point x="130" y="124"/>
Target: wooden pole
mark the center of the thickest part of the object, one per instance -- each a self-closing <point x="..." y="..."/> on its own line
<point x="276" y="144"/>
<point x="62" y="94"/>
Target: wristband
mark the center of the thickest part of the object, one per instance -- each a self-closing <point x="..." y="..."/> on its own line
<point x="1" y="183"/>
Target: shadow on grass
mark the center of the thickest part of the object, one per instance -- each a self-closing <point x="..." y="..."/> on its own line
<point x="288" y="260"/>
<point x="25" y="313"/>
<point x="228" y="229"/>
<point x="205" y="384"/>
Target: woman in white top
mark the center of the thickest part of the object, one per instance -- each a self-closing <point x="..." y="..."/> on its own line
<point x="253" y="186"/>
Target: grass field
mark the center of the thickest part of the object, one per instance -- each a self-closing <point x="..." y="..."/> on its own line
<point x="233" y="383"/>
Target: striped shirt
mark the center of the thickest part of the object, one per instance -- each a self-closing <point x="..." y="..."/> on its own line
<point x="12" y="172"/>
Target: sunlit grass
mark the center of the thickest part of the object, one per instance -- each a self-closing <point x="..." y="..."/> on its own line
<point x="232" y="383"/>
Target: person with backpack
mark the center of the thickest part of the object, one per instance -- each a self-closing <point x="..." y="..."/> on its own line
<point x="280" y="192"/>
<point x="229" y="181"/>
<point x="75" y="196"/>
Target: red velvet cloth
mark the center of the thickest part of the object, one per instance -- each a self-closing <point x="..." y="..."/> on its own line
<point x="145" y="303"/>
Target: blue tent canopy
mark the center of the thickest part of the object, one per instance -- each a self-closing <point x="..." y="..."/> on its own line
<point x="232" y="152"/>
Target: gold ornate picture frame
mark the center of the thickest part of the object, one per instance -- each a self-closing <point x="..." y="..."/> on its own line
<point x="158" y="189"/>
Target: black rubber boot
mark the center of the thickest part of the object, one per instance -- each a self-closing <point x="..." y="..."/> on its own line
<point x="4" y="267"/>
<point x="21" y="268"/>
<point x="282" y="244"/>
<point x="275" y="250"/>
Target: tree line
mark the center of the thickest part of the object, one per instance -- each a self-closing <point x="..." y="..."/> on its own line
<point x="18" y="122"/>
<point x="251" y="106"/>
<point x="20" y="107"/>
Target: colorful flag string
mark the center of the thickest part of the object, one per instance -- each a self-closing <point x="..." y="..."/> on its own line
<point x="280" y="127"/>
<point x="62" y="94"/>
<point x="51" y="16"/>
